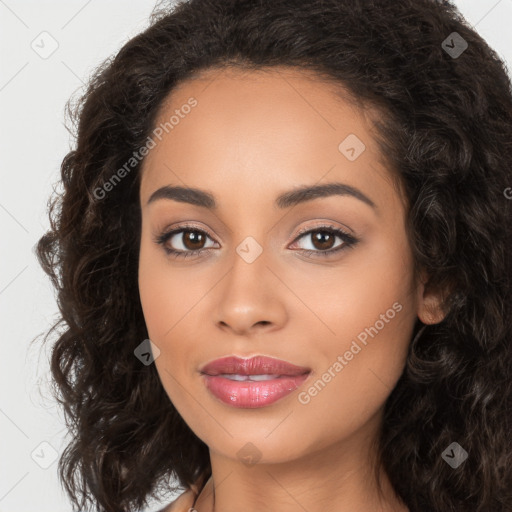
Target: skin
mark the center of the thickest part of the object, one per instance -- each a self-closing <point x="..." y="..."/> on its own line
<point x="252" y="136"/>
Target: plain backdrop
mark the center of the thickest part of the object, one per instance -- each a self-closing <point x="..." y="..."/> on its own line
<point x="34" y="88"/>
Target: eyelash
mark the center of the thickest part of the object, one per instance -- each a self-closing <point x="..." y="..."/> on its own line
<point x="349" y="241"/>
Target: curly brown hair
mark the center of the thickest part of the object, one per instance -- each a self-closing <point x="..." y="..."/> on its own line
<point x="446" y="130"/>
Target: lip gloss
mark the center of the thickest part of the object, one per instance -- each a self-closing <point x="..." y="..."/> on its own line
<point x="252" y="394"/>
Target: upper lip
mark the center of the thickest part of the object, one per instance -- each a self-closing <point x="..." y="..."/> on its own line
<point x="257" y="365"/>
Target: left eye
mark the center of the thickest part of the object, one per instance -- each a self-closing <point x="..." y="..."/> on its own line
<point x="322" y="239"/>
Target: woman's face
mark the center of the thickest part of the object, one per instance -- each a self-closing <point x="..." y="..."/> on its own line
<point x="341" y="306"/>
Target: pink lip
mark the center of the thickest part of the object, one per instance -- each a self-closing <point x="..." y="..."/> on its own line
<point x="256" y="365"/>
<point x="252" y="394"/>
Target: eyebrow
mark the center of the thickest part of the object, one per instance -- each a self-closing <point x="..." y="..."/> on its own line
<point x="288" y="199"/>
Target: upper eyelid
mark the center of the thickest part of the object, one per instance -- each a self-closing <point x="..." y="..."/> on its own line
<point x="325" y="226"/>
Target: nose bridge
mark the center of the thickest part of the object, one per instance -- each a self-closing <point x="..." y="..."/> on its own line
<point x="249" y="294"/>
<point x="250" y="243"/>
<point x="249" y="266"/>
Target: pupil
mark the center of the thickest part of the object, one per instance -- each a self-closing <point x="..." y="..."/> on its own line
<point x="319" y="237"/>
<point x="195" y="238"/>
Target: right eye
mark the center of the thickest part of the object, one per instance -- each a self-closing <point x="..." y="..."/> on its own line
<point x="191" y="240"/>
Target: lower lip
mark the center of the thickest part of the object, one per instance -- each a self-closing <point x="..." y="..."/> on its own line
<point x="252" y="394"/>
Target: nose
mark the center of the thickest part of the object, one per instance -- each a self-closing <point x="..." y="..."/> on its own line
<point x="251" y="298"/>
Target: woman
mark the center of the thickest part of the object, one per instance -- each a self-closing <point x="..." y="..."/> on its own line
<point x="283" y="262"/>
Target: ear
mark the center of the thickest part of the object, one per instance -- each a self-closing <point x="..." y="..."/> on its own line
<point x="429" y="302"/>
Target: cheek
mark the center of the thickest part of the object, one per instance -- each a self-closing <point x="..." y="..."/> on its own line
<point x="168" y="297"/>
<point x="166" y="293"/>
<point x="368" y="312"/>
<point x="372" y="286"/>
<point x="154" y="293"/>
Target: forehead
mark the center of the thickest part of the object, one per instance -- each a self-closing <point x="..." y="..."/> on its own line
<point x="277" y="125"/>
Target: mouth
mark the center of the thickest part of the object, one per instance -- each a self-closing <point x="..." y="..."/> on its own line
<point x="254" y="382"/>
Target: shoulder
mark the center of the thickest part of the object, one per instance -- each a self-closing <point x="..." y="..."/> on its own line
<point x="182" y="503"/>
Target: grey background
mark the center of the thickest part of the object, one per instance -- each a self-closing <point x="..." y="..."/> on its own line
<point x="33" y="141"/>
